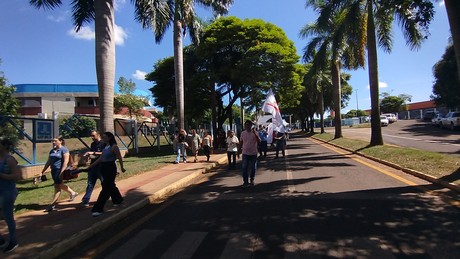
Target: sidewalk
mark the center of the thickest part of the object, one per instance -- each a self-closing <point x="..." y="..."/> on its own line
<point x="47" y="235"/>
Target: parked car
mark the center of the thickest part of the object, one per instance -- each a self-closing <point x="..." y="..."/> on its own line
<point x="384" y="120"/>
<point x="451" y="120"/>
<point x="436" y="121"/>
<point x="391" y="117"/>
<point x="429" y="115"/>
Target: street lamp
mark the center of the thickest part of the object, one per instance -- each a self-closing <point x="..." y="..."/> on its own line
<point x="357" y="108"/>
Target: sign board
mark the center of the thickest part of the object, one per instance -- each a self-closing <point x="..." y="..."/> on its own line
<point x="44" y="131"/>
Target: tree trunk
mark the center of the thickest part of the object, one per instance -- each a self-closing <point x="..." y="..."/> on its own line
<point x="213" y="113"/>
<point x="321" y="110"/>
<point x="105" y="60"/>
<point x="453" y="13"/>
<point x="337" y="97"/>
<point x="376" y="130"/>
<point x="179" y="72"/>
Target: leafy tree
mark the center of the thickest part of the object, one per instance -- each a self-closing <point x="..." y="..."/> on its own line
<point x="74" y="126"/>
<point x="329" y="48"/>
<point x="453" y="14"/>
<point x="376" y="18"/>
<point x="9" y="106"/>
<point x="446" y="88"/>
<point x="181" y="14"/>
<point x="196" y="87"/>
<point x="128" y="99"/>
<point x="392" y="104"/>
<point x="246" y="58"/>
<point x="355" y="113"/>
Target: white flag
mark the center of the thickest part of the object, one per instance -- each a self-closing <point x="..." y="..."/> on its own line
<point x="271" y="106"/>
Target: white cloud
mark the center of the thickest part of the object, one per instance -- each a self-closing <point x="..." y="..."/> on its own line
<point x="120" y="35"/>
<point x="86" y="33"/>
<point x="59" y="16"/>
<point x="139" y="75"/>
<point x="118" y="4"/>
<point x="381" y="85"/>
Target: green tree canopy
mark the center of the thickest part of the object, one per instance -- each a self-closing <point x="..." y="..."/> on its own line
<point x="393" y="104"/>
<point x="446" y="88"/>
<point x="9" y="106"/>
<point x="128" y="99"/>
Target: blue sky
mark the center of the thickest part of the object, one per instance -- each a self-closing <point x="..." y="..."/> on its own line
<point x="40" y="46"/>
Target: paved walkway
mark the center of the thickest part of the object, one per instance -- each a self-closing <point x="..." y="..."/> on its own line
<point x="47" y="235"/>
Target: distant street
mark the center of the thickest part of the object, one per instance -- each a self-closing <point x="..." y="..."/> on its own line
<point x="412" y="133"/>
<point x="317" y="202"/>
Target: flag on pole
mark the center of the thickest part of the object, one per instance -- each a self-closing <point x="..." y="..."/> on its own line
<point x="271" y="106"/>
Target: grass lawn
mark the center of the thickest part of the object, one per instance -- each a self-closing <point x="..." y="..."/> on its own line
<point x="37" y="197"/>
<point x="434" y="164"/>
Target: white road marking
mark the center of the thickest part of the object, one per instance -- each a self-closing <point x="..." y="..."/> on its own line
<point x="135" y="245"/>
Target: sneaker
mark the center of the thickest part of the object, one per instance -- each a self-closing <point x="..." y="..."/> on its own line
<point x="185" y="161"/>
<point x="11" y="246"/>
<point x="3" y="243"/>
<point x="245" y="185"/>
<point x="84" y="203"/>
<point x="176" y="162"/>
<point x="252" y="183"/>
<point x="50" y="208"/>
<point x="96" y="214"/>
<point x="72" y="196"/>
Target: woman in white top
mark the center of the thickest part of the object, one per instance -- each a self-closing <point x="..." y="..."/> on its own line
<point x="232" y="149"/>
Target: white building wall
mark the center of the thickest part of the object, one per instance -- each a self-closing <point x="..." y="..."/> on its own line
<point x="63" y="105"/>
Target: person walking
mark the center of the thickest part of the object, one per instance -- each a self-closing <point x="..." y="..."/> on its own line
<point x="207" y="145"/>
<point x="249" y="141"/>
<point x="108" y="169"/>
<point x="181" y="146"/>
<point x="280" y="143"/>
<point x="263" y="141"/>
<point x="9" y="174"/>
<point x="93" y="154"/>
<point x="232" y="149"/>
<point x="195" y="141"/>
<point x="58" y="159"/>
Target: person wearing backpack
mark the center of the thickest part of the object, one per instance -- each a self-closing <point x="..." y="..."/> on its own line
<point x="9" y="174"/>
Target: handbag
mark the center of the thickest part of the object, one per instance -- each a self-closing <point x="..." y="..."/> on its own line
<point x="69" y="175"/>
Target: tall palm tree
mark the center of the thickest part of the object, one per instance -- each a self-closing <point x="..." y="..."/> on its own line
<point x="102" y="13"/>
<point x="329" y="47"/>
<point x="413" y="17"/>
<point x="453" y="14"/>
<point x="181" y="14"/>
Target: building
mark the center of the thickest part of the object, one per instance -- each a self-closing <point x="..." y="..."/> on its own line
<point x="67" y="99"/>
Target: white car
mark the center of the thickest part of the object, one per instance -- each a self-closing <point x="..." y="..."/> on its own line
<point x="384" y="120"/>
<point x="451" y="120"/>
<point x="391" y="117"/>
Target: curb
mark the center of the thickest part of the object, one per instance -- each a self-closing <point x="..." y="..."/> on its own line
<point x="418" y="174"/>
<point x="67" y="244"/>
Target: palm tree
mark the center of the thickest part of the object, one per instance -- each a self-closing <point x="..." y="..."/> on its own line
<point x="378" y="15"/>
<point x="453" y="14"/>
<point x="102" y="12"/>
<point x="181" y="14"/>
<point x="331" y="48"/>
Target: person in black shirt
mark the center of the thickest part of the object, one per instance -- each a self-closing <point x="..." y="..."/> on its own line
<point x="94" y="173"/>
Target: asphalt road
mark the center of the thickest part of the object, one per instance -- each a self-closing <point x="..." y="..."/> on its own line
<point x="317" y="202"/>
<point x="412" y="133"/>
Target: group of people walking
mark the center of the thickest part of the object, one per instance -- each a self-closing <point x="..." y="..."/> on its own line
<point x="194" y="142"/>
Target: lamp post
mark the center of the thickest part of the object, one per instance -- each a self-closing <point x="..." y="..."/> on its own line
<point x="357" y="108"/>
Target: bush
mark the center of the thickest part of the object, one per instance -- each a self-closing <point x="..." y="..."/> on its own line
<point x="77" y="126"/>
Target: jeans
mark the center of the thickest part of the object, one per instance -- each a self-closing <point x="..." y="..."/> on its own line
<point x="181" y="150"/>
<point x="230" y="155"/>
<point x="249" y="161"/>
<point x="7" y="199"/>
<point x="109" y="188"/>
<point x="93" y="174"/>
